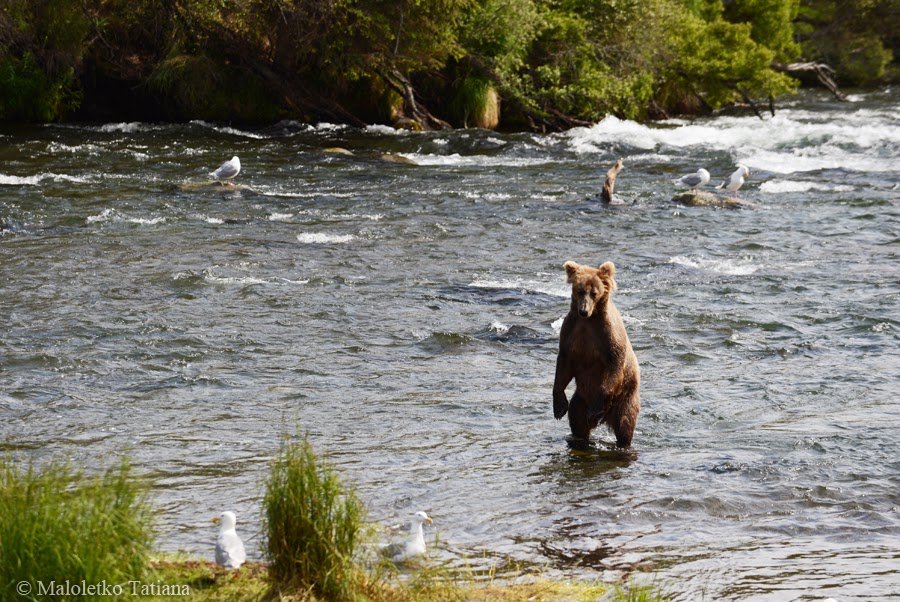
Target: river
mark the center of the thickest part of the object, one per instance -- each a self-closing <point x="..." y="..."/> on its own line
<point x="407" y="318"/>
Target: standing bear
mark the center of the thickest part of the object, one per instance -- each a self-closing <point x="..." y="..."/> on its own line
<point x="594" y="350"/>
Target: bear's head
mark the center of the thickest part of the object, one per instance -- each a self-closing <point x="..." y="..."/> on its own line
<point x="590" y="286"/>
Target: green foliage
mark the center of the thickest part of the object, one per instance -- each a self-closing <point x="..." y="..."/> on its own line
<point x="771" y="24"/>
<point x="721" y="63"/>
<point x="313" y="526"/>
<point x="38" y="64"/>
<point x="197" y="87"/>
<point x="58" y="525"/>
<point x="858" y="38"/>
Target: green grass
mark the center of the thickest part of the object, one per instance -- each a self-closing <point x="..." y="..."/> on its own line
<point x="313" y="526"/>
<point x="58" y="525"/>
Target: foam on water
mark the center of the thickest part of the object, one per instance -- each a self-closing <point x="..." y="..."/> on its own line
<point x="534" y="286"/>
<point x="791" y="141"/>
<point x="40" y="178"/>
<point x="320" y="238"/>
<point x="457" y="160"/>
<point x="230" y="130"/>
<point x="731" y="267"/>
<point x="780" y="186"/>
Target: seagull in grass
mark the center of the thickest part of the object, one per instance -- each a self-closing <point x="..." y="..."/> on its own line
<point x="694" y="180"/>
<point x="227" y="171"/>
<point x="229" y="547"/>
<point x="414" y="546"/>
<point x="735" y="180"/>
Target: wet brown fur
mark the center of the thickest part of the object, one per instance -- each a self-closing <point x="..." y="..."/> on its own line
<point x="594" y="350"/>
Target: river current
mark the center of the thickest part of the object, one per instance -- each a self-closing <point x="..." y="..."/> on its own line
<point x="407" y="318"/>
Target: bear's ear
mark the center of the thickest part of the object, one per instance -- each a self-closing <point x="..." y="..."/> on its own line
<point x="571" y="269"/>
<point x="607" y="271"/>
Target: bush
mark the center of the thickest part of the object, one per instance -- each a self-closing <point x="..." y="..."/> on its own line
<point x="313" y="527"/>
<point x="57" y="525"/>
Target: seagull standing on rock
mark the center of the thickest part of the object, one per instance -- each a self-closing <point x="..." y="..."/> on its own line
<point x="735" y="180"/>
<point x="694" y="180"/>
<point x="229" y="547"/>
<point x="414" y="546"/>
<point x="228" y="170"/>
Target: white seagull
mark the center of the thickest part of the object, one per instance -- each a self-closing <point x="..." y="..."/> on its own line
<point x="735" y="180"/>
<point x="694" y="180"/>
<point x="414" y="546"/>
<point x="229" y="547"/>
<point x="228" y="170"/>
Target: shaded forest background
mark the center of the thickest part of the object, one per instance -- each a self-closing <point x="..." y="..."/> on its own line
<point x="513" y="64"/>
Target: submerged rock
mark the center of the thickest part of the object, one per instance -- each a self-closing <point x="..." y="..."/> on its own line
<point x="211" y="186"/>
<point x="337" y="150"/>
<point x="391" y="158"/>
<point x="404" y="123"/>
<point x="701" y="198"/>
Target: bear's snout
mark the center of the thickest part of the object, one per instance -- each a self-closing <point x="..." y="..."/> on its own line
<point x="585" y="307"/>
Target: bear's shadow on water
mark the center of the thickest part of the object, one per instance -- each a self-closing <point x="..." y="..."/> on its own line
<point x="585" y="462"/>
<point x="605" y="453"/>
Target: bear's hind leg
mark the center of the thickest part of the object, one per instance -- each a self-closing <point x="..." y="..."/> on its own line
<point x="579" y="422"/>
<point x="626" y="419"/>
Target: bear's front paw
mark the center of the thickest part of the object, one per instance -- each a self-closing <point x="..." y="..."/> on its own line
<point x="560" y="406"/>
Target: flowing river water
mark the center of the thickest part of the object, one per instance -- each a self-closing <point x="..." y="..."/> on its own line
<point x="407" y="317"/>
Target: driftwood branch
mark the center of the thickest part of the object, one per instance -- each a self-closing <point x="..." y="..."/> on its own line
<point x="610" y="184"/>
<point x="823" y="72"/>
<point x="749" y="101"/>
<point x="412" y="108"/>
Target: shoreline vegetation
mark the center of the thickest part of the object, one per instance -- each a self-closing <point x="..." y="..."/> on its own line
<point x="539" y="65"/>
<point x="68" y="536"/>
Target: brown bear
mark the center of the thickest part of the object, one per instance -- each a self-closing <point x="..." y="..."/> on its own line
<point x="594" y="350"/>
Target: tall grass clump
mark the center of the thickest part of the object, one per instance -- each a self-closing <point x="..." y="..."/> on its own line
<point x="58" y="525"/>
<point x="313" y="526"/>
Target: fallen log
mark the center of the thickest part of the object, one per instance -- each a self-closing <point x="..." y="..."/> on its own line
<point x="609" y="184"/>
<point x="824" y="73"/>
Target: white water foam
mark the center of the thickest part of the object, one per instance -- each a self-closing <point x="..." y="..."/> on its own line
<point x="781" y="186"/>
<point x="457" y="160"/>
<point x="108" y="215"/>
<point x="532" y="286"/>
<point x="209" y="276"/>
<point x="386" y="130"/>
<point x="313" y="238"/>
<point x="791" y="141"/>
<point x="229" y="130"/>
<point x="128" y="128"/>
<point x="103" y="216"/>
<point x="731" y="267"/>
<point x="498" y="327"/>
<point x="39" y="178"/>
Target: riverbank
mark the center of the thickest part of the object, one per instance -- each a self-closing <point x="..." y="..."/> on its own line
<point x="174" y="577"/>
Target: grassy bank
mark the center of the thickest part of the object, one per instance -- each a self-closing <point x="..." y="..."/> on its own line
<point x="68" y="536"/>
<point x="211" y="583"/>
